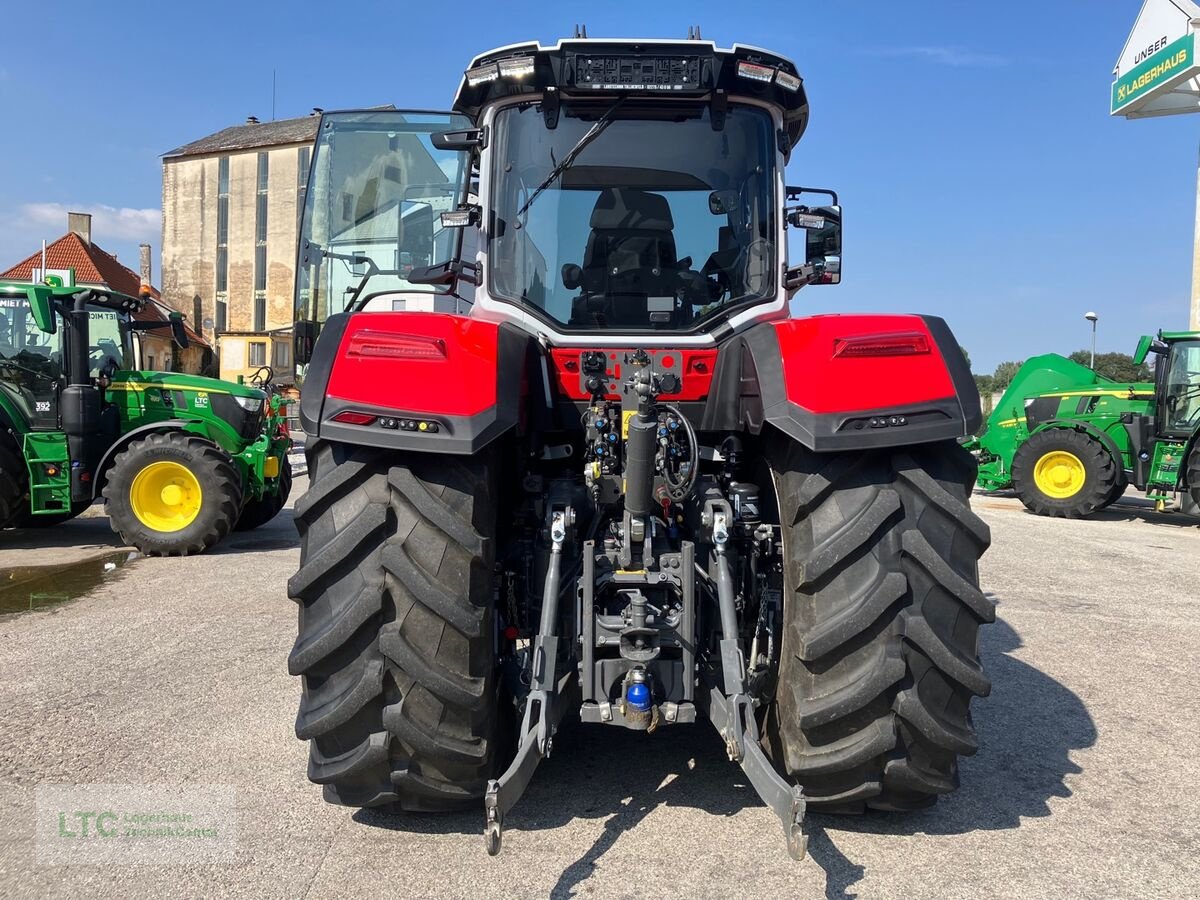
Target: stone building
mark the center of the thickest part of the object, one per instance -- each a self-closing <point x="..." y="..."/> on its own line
<point x="230" y="216"/>
<point x="76" y="256"/>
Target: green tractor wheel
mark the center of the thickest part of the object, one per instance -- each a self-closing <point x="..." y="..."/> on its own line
<point x="12" y="479"/>
<point x="1065" y="473"/>
<point x="173" y="494"/>
<point x="264" y="509"/>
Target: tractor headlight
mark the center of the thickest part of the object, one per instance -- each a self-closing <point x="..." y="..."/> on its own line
<point x="250" y="404"/>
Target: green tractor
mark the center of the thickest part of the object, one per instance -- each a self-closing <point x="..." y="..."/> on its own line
<point x="180" y="460"/>
<point x="1069" y="441"/>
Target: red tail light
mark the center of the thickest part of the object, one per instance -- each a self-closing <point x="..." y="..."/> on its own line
<point x="395" y="346"/>
<point x="350" y="417"/>
<point x="906" y="344"/>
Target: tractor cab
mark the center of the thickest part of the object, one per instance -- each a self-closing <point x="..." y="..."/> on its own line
<point x="1167" y="441"/>
<point x="628" y="188"/>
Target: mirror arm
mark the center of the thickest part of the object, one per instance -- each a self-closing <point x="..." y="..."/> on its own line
<point x="792" y="192"/>
<point x="446" y="273"/>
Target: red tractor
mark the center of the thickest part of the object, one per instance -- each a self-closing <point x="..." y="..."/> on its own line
<point x="570" y="453"/>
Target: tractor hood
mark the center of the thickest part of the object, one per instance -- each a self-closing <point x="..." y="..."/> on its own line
<point x="176" y="381"/>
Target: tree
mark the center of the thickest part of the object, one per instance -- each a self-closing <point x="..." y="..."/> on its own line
<point x="1117" y="366"/>
<point x="1004" y="374"/>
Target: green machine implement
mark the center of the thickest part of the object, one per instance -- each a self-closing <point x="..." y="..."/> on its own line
<point x="1069" y="441"/>
<point x="180" y="460"/>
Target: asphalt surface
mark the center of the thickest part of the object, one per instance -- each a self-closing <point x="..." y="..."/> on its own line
<point x="172" y="672"/>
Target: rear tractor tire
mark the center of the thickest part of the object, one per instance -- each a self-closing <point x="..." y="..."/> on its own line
<point x="879" y="657"/>
<point x="396" y="638"/>
<point x="1193" y="473"/>
<point x="13" y="479"/>
<point x="1065" y="473"/>
<point x="173" y="494"/>
<point x="265" y="508"/>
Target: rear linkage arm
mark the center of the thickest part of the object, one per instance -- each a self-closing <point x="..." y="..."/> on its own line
<point x="731" y="710"/>
<point x="542" y="714"/>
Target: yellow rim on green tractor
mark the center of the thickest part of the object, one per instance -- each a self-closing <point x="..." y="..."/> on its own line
<point x="1059" y="474"/>
<point x="165" y="496"/>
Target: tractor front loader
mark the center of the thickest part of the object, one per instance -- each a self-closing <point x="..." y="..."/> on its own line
<point x="571" y="455"/>
<point x="180" y="460"/>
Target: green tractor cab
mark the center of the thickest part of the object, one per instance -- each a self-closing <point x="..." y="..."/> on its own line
<point x="1069" y="441"/>
<point x="180" y="460"/>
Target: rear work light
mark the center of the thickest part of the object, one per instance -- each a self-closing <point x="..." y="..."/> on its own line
<point x="386" y="345"/>
<point x="482" y="74"/>
<point x="901" y="344"/>
<point x="787" y="81"/>
<point x="350" y="417"/>
<point x="755" y="72"/>
<point x="516" y="67"/>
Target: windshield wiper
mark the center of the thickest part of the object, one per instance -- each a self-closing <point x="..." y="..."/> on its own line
<point x="567" y="161"/>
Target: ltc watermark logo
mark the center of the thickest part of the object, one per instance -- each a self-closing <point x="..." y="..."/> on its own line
<point x="154" y="824"/>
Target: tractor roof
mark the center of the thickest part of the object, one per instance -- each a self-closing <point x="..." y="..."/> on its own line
<point x="1180" y="335"/>
<point x="581" y="67"/>
<point x="98" y="296"/>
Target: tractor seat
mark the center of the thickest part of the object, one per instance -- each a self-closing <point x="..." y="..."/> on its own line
<point x="630" y="258"/>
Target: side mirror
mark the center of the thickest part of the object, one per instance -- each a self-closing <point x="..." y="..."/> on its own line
<point x="178" y="332"/>
<point x="822" y="241"/>
<point x="304" y="335"/>
<point x="572" y="276"/>
<point x="723" y="202"/>
<point x="1147" y="345"/>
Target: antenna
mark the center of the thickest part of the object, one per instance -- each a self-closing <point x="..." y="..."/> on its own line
<point x="580" y="31"/>
<point x="693" y="33"/>
<point x="272" y="95"/>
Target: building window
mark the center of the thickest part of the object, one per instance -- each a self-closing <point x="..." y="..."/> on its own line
<point x="303" y="158"/>
<point x="260" y="311"/>
<point x="222" y="276"/>
<point x="150" y="363"/>
<point x="260" y="247"/>
<point x="281" y="356"/>
<point x="258" y="353"/>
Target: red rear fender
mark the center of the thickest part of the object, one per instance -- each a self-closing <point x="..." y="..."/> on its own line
<point x="414" y="380"/>
<point x="847" y="381"/>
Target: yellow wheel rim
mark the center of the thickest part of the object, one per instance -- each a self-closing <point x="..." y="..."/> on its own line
<point x="165" y="496"/>
<point x="1059" y="474"/>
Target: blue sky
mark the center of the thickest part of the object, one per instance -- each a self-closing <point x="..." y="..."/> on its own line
<point x="982" y="177"/>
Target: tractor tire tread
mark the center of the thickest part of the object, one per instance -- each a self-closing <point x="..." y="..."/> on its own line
<point x="395" y="643"/>
<point x="881" y="616"/>
<point x="13" y="479"/>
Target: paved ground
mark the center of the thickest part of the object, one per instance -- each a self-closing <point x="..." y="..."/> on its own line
<point x="174" y="672"/>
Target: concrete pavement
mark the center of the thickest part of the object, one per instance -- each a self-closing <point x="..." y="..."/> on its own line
<point x="174" y="671"/>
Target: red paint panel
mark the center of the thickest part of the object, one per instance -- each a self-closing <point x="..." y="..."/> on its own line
<point x="823" y="382"/>
<point x="462" y="382"/>
<point x="695" y="373"/>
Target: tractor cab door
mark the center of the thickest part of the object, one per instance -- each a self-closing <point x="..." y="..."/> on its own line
<point x="376" y="192"/>
<point x="1179" y="390"/>
<point x="31" y="365"/>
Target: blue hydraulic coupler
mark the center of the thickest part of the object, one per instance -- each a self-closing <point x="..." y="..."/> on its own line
<point x="637" y="697"/>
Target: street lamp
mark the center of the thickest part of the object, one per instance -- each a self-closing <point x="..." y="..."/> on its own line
<point x="1093" y="318"/>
